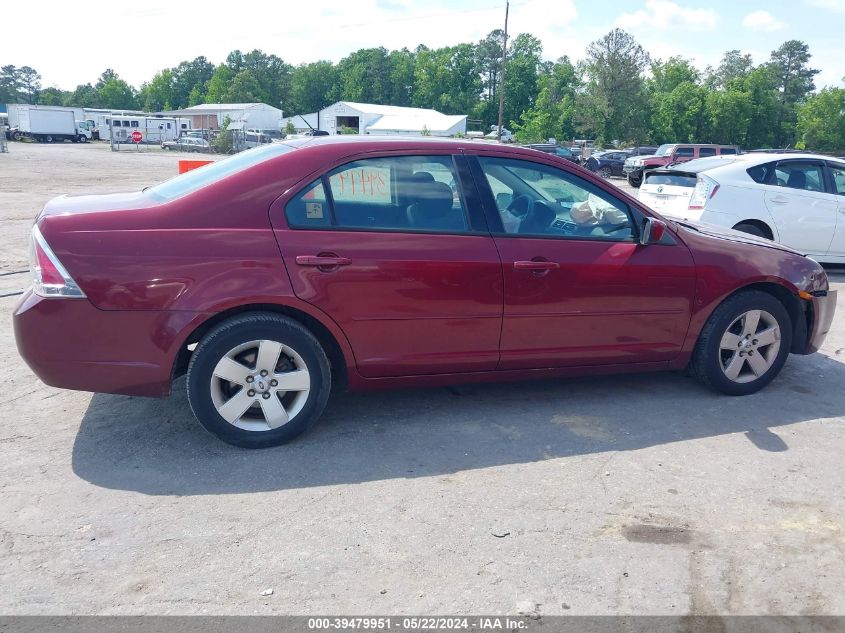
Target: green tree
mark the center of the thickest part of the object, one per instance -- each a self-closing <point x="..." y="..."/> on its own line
<point x="794" y="82"/>
<point x="311" y="87"/>
<point x="821" y="121"/>
<point x="218" y="85"/>
<point x="401" y="84"/>
<point x="729" y="115"/>
<point x="613" y="104"/>
<point x="681" y="114"/>
<point x="51" y="96"/>
<point x="244" y="88"/>
<point x="224" y="142"/>
<point x="113" y="92"/>
<point x="553" y="113"/>
<point x="190" y="78"/>
<point x="734" y="66"/>
<point x="521" y="76"/>
<point x="30" y="83"/>
<point x="10" y="86"/>
<point x="84" y="96"/>
<point x="158" y="94"/>
<point x="446" y="79"/>
<point x="364" y="76"/>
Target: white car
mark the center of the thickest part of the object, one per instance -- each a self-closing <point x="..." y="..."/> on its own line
<point x="795" y="199"/>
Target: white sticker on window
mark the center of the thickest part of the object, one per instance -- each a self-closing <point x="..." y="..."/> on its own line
<point x="313" y="211"/>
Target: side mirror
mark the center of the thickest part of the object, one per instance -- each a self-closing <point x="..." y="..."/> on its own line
<point x="653" y="231"/>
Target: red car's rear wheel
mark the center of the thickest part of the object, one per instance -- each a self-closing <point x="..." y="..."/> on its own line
<point x="258" y="380"/>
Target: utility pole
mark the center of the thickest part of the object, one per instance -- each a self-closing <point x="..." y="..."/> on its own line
<point x="504" y="62"/>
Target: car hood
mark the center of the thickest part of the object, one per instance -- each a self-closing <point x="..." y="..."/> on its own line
<point x="719" y="232"/>
<point x="642" y="157"/>
<point x="88" y="203"/>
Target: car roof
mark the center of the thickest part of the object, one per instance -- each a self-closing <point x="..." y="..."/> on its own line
<point x="343" y="144"/>
<point x="765" y="157"/>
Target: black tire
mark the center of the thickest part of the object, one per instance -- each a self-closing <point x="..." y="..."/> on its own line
<point x="708" y="357"/>
<point x="243" y="329"/>
<point x="751" y="229"/>
<point x="82" y="138"/>
<point x="635" y="182"/>
<point x="48" y="139"/>
<point x="605" y="172"/>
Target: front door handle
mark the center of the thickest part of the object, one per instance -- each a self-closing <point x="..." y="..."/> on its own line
<point x="538" y="266"/>
<point x="322" y="261"/>
<point x="779" y="200"/>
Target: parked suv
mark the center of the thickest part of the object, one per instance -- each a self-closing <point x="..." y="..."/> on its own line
<point x="275" y="275"/>
<point x="669" y="153"/>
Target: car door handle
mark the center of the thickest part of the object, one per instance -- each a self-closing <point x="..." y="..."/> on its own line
<point x="322" y="261"/>
<point x="779" y="199"/>
<point x="535" y="266"/>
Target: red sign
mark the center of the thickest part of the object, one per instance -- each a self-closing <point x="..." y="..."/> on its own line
<point x="137" y="136"/>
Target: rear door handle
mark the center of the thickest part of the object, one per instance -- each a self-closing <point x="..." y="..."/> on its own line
<point x="779" y="200"/>
<point x="322" y="261"/>
<point x="535" y="266"/>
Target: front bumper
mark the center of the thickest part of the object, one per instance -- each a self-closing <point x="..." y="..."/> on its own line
<point x="70" y="344"/>
<point x="823" y="309"/>
<point x="632" y="169"/>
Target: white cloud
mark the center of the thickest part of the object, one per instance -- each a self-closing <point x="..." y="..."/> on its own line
<point x="831" y="5"/>
<point x="664" y="14"/>
<point x="762" y="21"/>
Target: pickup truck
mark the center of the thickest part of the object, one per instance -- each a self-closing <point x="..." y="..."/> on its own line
<point x="635" y="167"/>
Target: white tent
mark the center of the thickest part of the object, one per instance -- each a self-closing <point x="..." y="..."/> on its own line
<point x="371" y="118"/>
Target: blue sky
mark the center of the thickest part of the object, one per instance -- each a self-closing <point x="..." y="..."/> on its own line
<point x="141" y="38"/>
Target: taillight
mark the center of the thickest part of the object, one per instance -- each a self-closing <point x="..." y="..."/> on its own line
<point x="705" y="189"/>
<point x="49" y="277"/>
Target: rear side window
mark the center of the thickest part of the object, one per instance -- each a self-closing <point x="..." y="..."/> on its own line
<point x="706" y="151"/>
<point x="310" y="208"/>
<point x="838" y="174"/>
<point x="727" y="150"/>
<point x="407" y="193"/>
<point x="685" y="152"/>
<point x="802" y="176"/>
<point x="758" y="173"/>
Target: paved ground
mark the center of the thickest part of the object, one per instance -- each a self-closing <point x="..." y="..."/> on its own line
<point x="640" y="494"/>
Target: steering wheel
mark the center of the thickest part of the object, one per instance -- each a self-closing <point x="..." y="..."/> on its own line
<point x="521" y="206"/>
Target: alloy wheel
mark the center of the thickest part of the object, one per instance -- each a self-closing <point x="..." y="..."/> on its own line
<point x="749" y="346"/>
<point x="260" y="385"/>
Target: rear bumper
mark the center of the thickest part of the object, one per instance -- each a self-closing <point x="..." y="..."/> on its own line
<point x="822" y="317"/>
<point x="70" y="344"/>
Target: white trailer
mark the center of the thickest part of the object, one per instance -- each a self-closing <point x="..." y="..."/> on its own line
<point x="154" y="129"/>
<point x="45" y="124"/>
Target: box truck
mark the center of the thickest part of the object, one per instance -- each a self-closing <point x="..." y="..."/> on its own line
<point x="45" y="124"/>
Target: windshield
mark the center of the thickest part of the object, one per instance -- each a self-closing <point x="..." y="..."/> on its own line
<point x="664" y="150"/>
<point x="198" y="178"/>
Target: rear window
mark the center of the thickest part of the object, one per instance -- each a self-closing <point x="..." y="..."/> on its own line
<point x="674" y="180"/>
<point x="198" y="178"/>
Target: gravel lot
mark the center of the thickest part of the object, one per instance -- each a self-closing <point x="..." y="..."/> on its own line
<point x="641" y="495"/>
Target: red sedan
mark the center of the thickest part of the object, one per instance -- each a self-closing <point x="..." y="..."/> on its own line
<point x="277" y="274"/>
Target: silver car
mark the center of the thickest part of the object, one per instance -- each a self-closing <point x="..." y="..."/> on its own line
<point x="187" y="144"/>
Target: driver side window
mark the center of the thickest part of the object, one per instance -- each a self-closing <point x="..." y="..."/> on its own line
<point x="539" y="200"/>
